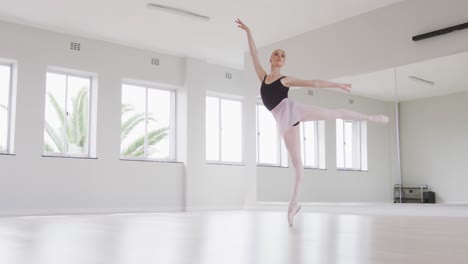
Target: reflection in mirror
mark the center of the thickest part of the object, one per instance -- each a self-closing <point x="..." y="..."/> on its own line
<point x="374" y="93"/>
<point x="433" y="127"/>
<point x="360" y="157"/>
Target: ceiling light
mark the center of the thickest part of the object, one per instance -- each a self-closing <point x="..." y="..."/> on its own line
<point x="177" y="11"/>
<point x="416" y="79"/>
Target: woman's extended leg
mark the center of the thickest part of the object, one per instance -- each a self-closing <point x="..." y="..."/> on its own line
<point x="312" y="112"/>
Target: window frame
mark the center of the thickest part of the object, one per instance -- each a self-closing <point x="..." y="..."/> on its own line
<point x="172" y="123"/>
<point x="281" y="151"/>
<point x="316" y="144"/>
<point x="359" y="152"/>
<point x="92" y="86"/>
<point x="9" y="148"/>
<point x="228" y="97"/>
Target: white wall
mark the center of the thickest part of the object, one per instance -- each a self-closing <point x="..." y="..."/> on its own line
<point x="32" y="184"/>
<point x="434" y="145"/>
<point x="370" y="42"/>
<point x="213" y="186"/>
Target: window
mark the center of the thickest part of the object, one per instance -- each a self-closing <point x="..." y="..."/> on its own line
<point x="148" y="123"/>
<point x="5" y="102"/>
<point x="67" y="115"/>
<point x="351" y="144"/>
<point x="224" y="130"/>
<point x="313" y="144"/>
<point x="271" y="150"/>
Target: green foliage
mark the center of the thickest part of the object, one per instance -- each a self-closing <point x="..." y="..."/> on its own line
<point x="74" y="128"/>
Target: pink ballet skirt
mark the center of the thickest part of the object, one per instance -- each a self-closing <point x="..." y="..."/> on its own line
<point x="287" y="113"/>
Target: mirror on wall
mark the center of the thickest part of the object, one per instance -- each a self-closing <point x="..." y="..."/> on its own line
<point x="357" y="160"/>
<point x="362" y="155"/>
<point x="432" y="100"/>
<point x="373" y="94"/>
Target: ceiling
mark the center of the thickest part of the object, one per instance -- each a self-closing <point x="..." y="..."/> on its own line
<point x="447" y="73"/>
<point x="378" y="85"/>
<point x="219" y="41"/>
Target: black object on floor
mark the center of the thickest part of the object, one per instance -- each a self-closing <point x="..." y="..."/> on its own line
<point x="419" y="194"/>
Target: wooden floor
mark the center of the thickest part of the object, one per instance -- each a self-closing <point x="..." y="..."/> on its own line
<point x="233" y="237"/>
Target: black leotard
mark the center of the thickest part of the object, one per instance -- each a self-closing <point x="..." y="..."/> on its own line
<point x="273" y="93"/>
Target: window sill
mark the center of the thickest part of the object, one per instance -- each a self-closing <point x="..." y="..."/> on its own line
<point x="7" y="154"/>
<point x="311" y="168"/>
<point x="271" y="166"/>
<point x="150" y="160"/>
<point x="225" y="164"/>
<point x="68" y="157"/>
<point x="282" y="167"/>
<point x="352" y="170"/>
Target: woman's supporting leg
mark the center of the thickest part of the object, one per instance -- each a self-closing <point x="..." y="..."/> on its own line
<point x="293" y="144"/>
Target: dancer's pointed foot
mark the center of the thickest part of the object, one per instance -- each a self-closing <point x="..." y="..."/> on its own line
<point x="382" y="119"/>
<point x="293" y="208"/>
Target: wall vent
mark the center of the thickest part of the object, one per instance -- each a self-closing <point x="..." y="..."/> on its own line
<point x="75" y="46"/>
<point x="228" y="75"/>
<point x="155" y="61"/>
<point x="310" y="92"/>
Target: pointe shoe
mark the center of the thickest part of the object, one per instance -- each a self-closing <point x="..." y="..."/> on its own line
<point x="293" y="208"/>
<point x="382" y="119"/>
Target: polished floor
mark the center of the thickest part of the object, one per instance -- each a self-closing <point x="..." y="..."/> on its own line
<point x="233" y="237"/>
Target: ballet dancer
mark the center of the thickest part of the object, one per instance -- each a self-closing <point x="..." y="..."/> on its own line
<point x="287" y="113"/>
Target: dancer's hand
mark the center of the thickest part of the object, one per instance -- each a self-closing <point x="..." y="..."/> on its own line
<point x="242" y="25"/>
<point x="345" y="86"/>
